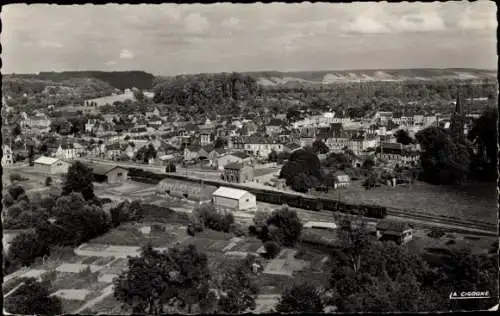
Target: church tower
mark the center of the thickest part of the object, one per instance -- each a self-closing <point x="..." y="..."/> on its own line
<point x="458" y="120"/>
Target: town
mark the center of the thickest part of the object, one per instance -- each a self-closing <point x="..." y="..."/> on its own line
<point x="360" y="191"/>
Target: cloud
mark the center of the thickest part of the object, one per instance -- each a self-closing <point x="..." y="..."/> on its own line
<point x="49" y="44"/>
<point x="126" y="54"/>
<point x="231" y="23"/>
<point x="227" y="37"/>
<point x="478" y="18"/>
<point x="195" y="23"/>
<point x="172" y="11"/>
<point x="365" y="25"/>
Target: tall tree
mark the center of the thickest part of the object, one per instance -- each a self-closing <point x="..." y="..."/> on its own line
<point x="178" y="277"/>
<point x="32" y="298"/>
<point x="300" y="298"/>
<point x="79" y="179"/>
<point x="403" y="137"/>
<point x="26" y="247"/>
<point x="444" y="161"/>
<point x="319" y="147"/>
<point x="284" y="227"/>
<point x="239" y="289"/>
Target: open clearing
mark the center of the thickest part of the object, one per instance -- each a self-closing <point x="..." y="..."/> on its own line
<point x="477" y="201"/>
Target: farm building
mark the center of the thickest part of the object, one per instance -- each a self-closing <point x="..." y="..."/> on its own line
<point x="399" y="232"/>
<point x="321" y="225"/>
<point x="338" y="180"/>
<point x="234" y="199"/>
<point x="237" y="172"/>
<point x="51" y="165"/>
<point x="109" y="174"/>
<point x="190" y="191"/>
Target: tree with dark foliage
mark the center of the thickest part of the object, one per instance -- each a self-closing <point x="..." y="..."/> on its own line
<point x="220" y="143"/>
<point x="484" y="136"/>
<point x="301" y="161"/>
<point x="284" y="227"/>
<point x="26" y="247"/>
<point x="319" y="147"/>
<point x="239" y="289"/>
<point x="79" y="179"/>
<point x="444" y="161"/>
<point x="177" y="277"/>
<point x="300" y="298"/>
<point x="32" y="298"/>
<point x="273" y="156"/>
<point x="403" y="137"/>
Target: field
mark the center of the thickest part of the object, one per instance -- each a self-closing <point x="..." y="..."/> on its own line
<point x="113" y="98"/>
<point x="468" y="201"/>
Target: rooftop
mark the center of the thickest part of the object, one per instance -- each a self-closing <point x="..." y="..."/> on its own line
<point x="229" y="193"/>
<point x="240" y="154"/>
<point x="233" y="165"/>
<point x="396" y="226"/>
<point x="101" y="169"/>
<point x="46" y="160"/>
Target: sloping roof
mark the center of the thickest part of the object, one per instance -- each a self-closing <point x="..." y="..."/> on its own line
<point x="220" y="151"/>
<point x="240" y="154"/>
<point x="229" y="193"/>
<point x="46" y="160"/>
<point x="102" y="169"/>
<point x="396" y="226"/>
<point x="233" y="165"/>
<point x="193" y="148"/>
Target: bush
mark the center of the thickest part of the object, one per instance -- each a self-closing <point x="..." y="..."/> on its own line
<point x="15" y="177"/>
<point x="208" y="216"/>
<point x="191" y="231"/>
<point x="252" y="230"/>
<point x="7" y="200"/>
<point x="272" y="249"/>
<point x="15" y="191"/>
<point x="48" y="181"/>
<point x="237" y="230"/>
<point x="436" y="233"/>
<point x="50" y="276"/>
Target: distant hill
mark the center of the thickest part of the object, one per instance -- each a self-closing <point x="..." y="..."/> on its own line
<point x="119" y="79"/>
<point x="272" y="78"/>
<point x="17" y="85"/>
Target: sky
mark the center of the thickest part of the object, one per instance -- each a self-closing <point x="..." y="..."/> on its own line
<point x="170" y="39"/>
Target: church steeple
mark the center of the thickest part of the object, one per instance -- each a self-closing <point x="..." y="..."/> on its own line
<point x="458" y="119"/>
<point x="458" y="105"/>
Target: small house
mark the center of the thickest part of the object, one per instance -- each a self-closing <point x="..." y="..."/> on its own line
<point x="109" y="173"/>
<point x="237" y="172"/>
<point x="341" y="180"/>
<point x="399" y="232"/>
<point x="240" y="157"/>
<point x="51" y="165"/>
<point x="234" y="199"/>
<point x="7" y="156"/>
<point x="214" y="155"/>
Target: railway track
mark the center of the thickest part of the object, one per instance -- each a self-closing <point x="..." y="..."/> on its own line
<point x="431" y="219"/>
<point x="487" y="227"/>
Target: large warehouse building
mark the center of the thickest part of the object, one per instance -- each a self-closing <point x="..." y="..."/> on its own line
<point x="234" y="199"/>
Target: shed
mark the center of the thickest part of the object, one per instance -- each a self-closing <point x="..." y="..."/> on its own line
<point x="321" y="225"/>
<point x="108" y="173"/>
<point x="399" y="232"/>
<point x="51" y="165"/>
<point x="234" y="199"/>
